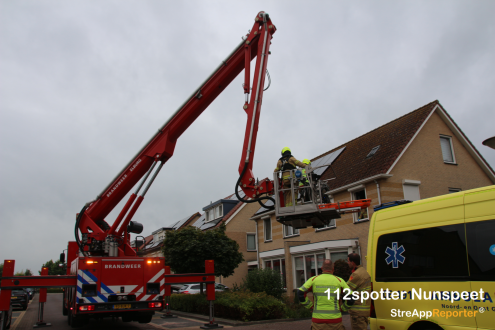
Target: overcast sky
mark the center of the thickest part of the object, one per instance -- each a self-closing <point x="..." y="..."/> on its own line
<point x="84" y="84"/>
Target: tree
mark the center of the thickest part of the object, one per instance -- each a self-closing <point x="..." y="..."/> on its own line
<point x="186" y="250"/>
<point x="53" y="268"/>
<point x="28" y="272"/>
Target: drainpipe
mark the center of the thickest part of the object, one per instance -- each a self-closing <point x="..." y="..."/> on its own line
<point x="378" y="191"/>
<point x="257" y="246"/>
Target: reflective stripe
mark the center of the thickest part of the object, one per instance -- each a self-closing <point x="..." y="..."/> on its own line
<point x="323" y="294"/>
<point x="319" y="311"/>
<point x="362" y="307"/>
<point x="303" y="289"/>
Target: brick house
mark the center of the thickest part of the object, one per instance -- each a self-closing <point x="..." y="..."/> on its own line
<point x="235" y="215"/>
<point x="153" y="243"/>
<point x="419" y="155"/>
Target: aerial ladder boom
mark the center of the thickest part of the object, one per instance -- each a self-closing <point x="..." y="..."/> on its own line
<point x="97" y="235"/>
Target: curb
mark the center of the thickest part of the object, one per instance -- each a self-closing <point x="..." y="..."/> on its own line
<point x="233" y="323"/>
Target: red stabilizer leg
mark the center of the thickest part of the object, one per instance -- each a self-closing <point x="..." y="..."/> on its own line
<point x="41" y="307"/>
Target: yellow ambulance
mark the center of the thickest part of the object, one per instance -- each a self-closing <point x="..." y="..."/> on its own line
<point x="432" y="263"/>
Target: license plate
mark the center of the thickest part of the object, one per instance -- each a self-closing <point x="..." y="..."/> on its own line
<point x="122" y="306"/>
<point x="13" y="297"/>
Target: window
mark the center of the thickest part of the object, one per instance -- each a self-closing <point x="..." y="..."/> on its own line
<point x="267" y="223"/>
<point x="447" y="149"/>
<point x="373" y="151"/>
<point x="279" y="266"/>
<point x="307" y="266"/>
<point x="290" y="231"/>
<point x="411" y="189"/>
<point x="251" y="242"/>
<point x="214" y="213"/>
<point x="334" y="256"/>
<point x="331" y="224"/>
<point x="423" y="254"/>
<point x="454" y="190"/>
<point x="363" y="214"/>
<point x="481" y="249"/>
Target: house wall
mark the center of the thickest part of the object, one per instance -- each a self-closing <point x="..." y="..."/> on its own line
<point x="423" y="161"/>
<point x="237" y="229"/>
<point x="345" y="229"/>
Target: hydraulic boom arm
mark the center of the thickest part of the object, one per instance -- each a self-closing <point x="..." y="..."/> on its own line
<point x="97" y="235"/>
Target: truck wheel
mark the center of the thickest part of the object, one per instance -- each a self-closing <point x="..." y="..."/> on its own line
<point x="145" y="318"/>
<point x="75" y="322"/>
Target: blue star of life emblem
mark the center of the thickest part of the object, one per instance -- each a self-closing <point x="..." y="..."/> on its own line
<point x="395" y="255"/>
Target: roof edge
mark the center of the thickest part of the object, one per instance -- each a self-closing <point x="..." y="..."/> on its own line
<point x="377" y="128"/>
<point x="366" y="180"/>
<point x="412" y="139"/>
<point x="261" y="215"/>
<point x="471" y="149"/>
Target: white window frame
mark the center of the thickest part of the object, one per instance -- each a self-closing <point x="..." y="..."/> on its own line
<point x="330" y="225"/>
<point x="287" y="229"/>
<point x="353" y="191"/>
<point x="451" y="148"/>
<point x="327" y="254"/>
<point x="269" y="219"/>
<point x="281" y="269"/>
<point x="247" y="246"/>
<point x="410" y="183"/>
<point x="217" y="212"/>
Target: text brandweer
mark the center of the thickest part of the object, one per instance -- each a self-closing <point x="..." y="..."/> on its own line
<point x="124" y="266"/>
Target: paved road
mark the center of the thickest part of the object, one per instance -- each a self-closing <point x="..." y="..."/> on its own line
<point x="53" y="314"/>
<point x="24" y="320"/>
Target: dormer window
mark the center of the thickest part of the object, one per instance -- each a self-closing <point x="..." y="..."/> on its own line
<point x="214" y="213"/>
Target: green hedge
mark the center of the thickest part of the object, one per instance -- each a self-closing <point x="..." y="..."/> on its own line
<point x="240" y="305"/>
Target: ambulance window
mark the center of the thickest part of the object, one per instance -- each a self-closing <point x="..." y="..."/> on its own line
<point x="437" y="253"/>
<point x="481" y="250"/>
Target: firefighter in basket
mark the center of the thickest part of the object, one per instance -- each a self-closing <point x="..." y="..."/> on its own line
<point x="286" y="163"/>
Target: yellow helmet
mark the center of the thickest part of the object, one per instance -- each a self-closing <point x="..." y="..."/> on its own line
<point x="285" y="149"/>
<point x="306" y="161"/>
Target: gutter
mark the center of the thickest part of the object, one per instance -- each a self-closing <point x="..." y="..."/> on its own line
<point x="369" y="179"/>
<point x="259" y="216"/>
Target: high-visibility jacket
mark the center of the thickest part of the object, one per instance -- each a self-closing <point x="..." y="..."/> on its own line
<point x="304" y="177"/>
<point x="324" y="310"/>
<point x="360" y="280"/>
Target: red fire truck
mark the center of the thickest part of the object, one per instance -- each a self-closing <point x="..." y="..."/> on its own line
<point x="105" y="275"/>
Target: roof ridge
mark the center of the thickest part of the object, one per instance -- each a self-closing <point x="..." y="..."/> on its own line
<point x="379" y="127"/>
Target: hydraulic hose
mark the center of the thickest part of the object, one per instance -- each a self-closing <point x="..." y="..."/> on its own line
<point x="76" y="228"/>
<point x="255" y="200"/>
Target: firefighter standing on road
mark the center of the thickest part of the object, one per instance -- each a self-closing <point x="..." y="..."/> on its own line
<point x="326" y="311"/>
<point x="360" y="280"/>
<point x="286" y="163"/>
